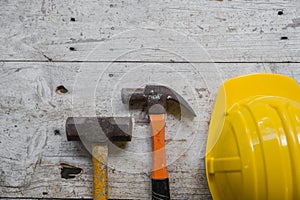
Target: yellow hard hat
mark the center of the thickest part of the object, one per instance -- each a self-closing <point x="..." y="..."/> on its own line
<point x="253" y="146"/>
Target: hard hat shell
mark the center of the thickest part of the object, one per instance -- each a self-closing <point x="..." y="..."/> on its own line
<point x="253" y="146"/>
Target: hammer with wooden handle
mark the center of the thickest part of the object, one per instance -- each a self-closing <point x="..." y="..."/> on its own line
<point x="153" y="99"/>
<point x="98" y="131"/>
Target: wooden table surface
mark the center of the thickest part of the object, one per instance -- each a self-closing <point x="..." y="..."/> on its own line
<point x="94" y="48"/>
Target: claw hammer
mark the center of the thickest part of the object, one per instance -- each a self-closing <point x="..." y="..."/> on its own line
<point x="154" y="100"/>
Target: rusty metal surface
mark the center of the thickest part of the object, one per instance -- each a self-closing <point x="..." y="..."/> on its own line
<point x="154" y="98"/>
<point x="133" y="95"/>
<point x="99" y="129"/>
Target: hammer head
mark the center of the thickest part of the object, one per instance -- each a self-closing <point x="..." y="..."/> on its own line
<point x="99" y="129"/>
<point x="154" y="98"/>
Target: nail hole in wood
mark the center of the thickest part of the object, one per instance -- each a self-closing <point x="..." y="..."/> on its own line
<point x="280" y="12"/>
<point x="72" y="19"/>
<point x="110" y="75"/>
<point x="72" y="49"/>
<point x="56" y="132"/>
<point x="284" y="38"/>
<point x="61" y="89"/>
<point x="69" y="171"/>
<point x="45" y="193"/>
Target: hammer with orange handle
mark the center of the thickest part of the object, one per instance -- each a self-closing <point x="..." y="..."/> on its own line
<point x="153" y="99"/>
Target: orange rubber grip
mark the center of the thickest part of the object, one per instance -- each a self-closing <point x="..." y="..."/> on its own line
<point x="159" y="169"/>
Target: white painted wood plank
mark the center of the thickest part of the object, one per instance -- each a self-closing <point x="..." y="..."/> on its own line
<point x="229" y="31"/>
<point x="31" y="151"/>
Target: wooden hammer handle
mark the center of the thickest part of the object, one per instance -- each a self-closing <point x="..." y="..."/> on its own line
<point x="160" y="181"/>
<point x="100" y="177"/>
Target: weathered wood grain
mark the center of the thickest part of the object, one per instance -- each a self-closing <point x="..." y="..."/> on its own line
<point x="196" y="31"/>
<point x="151" y="38"/>
<point x="33" y="143"/>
